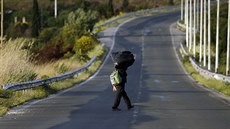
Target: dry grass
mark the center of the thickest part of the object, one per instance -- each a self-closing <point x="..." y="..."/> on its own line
<point x="57" y="67"/>
<point x="14" y="63"/>
<point x="16" y="67"/>
<point x="21" y="97"/>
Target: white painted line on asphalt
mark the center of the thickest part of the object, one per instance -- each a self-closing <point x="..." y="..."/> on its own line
<point x="174" y="81"/>
<point x="15" y="112"/>
<point x="137" y="109"/>
<point x="176" y="54"/>
<point x="157" y="81"/>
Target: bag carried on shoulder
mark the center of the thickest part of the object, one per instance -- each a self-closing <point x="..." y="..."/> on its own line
<point x="115" y="78"/>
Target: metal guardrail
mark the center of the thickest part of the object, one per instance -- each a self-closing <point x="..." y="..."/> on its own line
<point x="202" y="71"/>
<point x="35" y="83"/>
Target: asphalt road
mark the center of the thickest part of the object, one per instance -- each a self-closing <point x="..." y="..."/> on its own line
<point x="165" y="97"/>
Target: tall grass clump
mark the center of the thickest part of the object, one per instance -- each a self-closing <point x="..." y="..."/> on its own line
<point x="14" y="62"/>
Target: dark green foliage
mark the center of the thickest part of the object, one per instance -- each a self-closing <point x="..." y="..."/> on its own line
<point x="84" y="4"/>
<point x="78" y="23"/>
<point x="83" y="46"/>
<point x="6" y="93"/>
<point x="125" y="4"/>
<point x="102" y="10"/>
<point x="110" y="8"/>
<point x="58" y="42"/>
<point x="47" y="34"/>
<point x="36" y="19"/>
<point x="171" y="2"/>
<point x="222" y="28"/>
<point x="185" y="59"/>
<point x="19" y="30"/>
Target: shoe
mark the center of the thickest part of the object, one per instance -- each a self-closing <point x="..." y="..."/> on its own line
<point x="116" y="109"/>
<point x="130" y="107"/>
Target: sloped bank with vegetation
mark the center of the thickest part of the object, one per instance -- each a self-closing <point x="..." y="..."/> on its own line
<point x="69" y="48"/>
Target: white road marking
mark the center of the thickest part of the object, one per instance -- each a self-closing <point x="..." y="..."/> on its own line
<point x="157" y="81"/>
<point x="174" y="81"/>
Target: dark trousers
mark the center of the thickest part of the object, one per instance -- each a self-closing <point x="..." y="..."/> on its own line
<point x="121" y="93"/>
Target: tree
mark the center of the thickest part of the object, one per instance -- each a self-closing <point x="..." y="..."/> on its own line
<point x="110" y="8"/>
<point x="84" y="45"/>
<point x="78" y="23"/>
<point x="171" y="2"/>
<point x="36" y="21"/>
<point x="125" y="4"/>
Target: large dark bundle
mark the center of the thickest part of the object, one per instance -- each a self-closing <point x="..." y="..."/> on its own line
<point x="123" y="60"/>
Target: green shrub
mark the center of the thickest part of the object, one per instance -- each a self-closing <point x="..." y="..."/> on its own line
<point x="19" y="30"/>
<point x="100" y="53"/>
<point x="47" y="34"/>
<point x="6" y="93"/>
<point x="68" y="54"/>
<point x="44" y="76"/>
<point x="62" y="68"/>
<point x="84" y="45"/>
<point x="185" y="59"/>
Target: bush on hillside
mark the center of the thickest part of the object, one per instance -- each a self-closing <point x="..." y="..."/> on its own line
<point x="78" y="23"/>
<point x="47" y="34"/>
<point x="84" y="45"/>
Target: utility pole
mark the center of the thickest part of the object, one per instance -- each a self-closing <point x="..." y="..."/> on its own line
<point x="2" y="21"/>
<point x="55" y="8"/>
<point x="205" y="28"/>
<point x="228" y="40"/>
<point x="209" y="35"/>
<point x="182" y="10"/>
<point x="187" y="26"/>
<point x="197" y="19"/>
<point x="190" y="24"/>
<point x="201" y="28"/>
<point x="194" y="29"/>
<point x="217" y="37"/>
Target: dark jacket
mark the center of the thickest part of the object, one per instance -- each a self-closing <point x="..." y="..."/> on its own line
<point x="123" y="75"/>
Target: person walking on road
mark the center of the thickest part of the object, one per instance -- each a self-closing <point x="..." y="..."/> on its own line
<point x="120" y="91"/>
